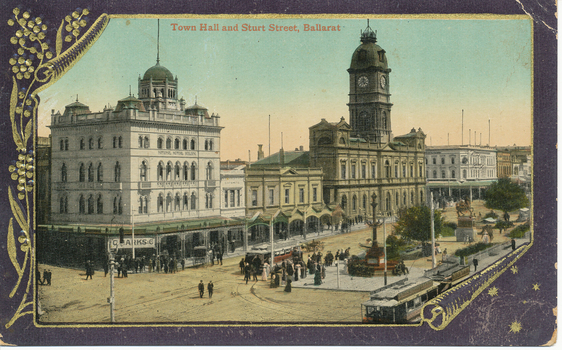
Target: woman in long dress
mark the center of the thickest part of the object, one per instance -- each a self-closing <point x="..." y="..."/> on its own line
<point x="264" y="272"/>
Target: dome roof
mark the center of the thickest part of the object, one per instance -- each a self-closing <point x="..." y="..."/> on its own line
<point x="158" y="72"/>
<point x="368" y="54"/>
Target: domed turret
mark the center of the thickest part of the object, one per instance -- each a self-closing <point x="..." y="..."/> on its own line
<point x="158" y="73"/>
<point x="368" y="54"/>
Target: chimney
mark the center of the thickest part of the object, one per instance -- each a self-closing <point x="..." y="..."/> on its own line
<point x="281" y="157"/>
<point x="301" y="148"/>
<point x="260" y="152"/>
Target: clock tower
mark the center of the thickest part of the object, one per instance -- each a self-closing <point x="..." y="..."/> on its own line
<point x="369" y="97"/>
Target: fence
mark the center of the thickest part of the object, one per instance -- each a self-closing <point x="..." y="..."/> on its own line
<point x="495" y="250"/>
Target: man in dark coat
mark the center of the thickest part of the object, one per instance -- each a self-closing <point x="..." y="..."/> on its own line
<point x="288" y="286"/>
<point x="201" y="289"/>
<point x="513" y="244"/>
<point x="89" y="270"/>
<point x="475" y="262"/>
<point x="210" y="287"/>
<point x="241" y="264"/>
<point x="247" y="273"/>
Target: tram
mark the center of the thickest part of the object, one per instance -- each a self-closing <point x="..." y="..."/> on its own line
<point x="265" y="254"/>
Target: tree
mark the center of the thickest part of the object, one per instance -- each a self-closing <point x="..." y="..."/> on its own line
<point x="506" y="196"/>
<point x="415" y="223"/>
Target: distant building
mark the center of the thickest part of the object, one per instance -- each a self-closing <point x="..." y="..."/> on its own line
<point x="455" y="172"/>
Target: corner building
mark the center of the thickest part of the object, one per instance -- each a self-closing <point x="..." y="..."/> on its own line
<point x="150" y="162"/>
<point x="362" y="158"/>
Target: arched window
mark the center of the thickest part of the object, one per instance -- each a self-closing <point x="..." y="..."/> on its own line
<point x="91" y="204"/>
<point x="146" y="145"/>
<point x="464" y="174"/>
<point x="193" y="201"/>
<point x="184" y="144"/>
<point x="160" y="204"/>
<point x="210" y="145"/>
<point x="397" y="200"/>
<point x="61" y="144"/>
<point x="169" y="171"/>
<point x="387" y="168"/>
<point x="209" y="171"/>
<point x="120" y="141"/>
<point x="82" y="144"/>
<point x="364" y="202"/>
<point x="435" y="174"/>
<point x="185" y="171"/>
<point x="177" y="171"/>
<point x="442" y="160"/>
<point x="443" y="175"/>
<point x="100" y="173"/>
<point x="100" y="204"/>
<point x="344" y="202"/>
<point x="177" y="202"/>
<point x="114" y="141"/>
<point x="206" y="145"/>
<point x="421" y="196"/>
<point x="115" y="205"/>
<point x="452" y="160"/>
<point x="160" y="171"/>
<point x="82" y="173"/>
<point x="169" y="203"/>
<point x="117" y="172"/>
<point x="192" y="144"/>
<point x="90" y="172"/>
<point x="208" y="201"/>
<point x="185" y="201"/>
<point x="168" y="143"/>
<point x="354" y="203"/>
<point x="63" y="173"/>
<point x="66" y="144"/>
<point x="412" y="198"/>
<point x="119" y="207"/>
<point x="404" y="199"/>
<point x="453" y="174"/>
<point x="140" y="141"/>
<point x="143" y="171"/>
<point x="81" y="205"/>
<point x="387" y="202"/>
<point x="100" y="142"/>
<point x="177" y="144"/>
<point x="193" y="171"/>
<point x="383" y="121"/>
<point x="159" y="143"/>
<point x="63" y="205"/>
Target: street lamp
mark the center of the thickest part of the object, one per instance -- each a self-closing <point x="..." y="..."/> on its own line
<point x="111" y="299"/>
<point x="374" y="205"/>
<point x="271" y="235"/>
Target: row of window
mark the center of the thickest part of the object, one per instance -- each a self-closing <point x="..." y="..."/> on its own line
<point x="91" y="204"/>
<point x="473" y="173"/>
<point x="232" y="198"/>
<point x="287" y="196"/>
<point x="475" y="160"/>
<point x="144" y="142"/>
<point x="91" y="172"/>
<point x="387" y="201"/>
<point x="180" y="203"/>
<point x="94" y="173"/>
<point x="398" y="171"/>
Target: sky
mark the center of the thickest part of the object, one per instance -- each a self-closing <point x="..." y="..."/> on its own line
<point x="440" y="68"/>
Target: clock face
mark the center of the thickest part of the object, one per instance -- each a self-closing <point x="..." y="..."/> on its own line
<point x="383" y="81"/>
<point x="363" y="81"/>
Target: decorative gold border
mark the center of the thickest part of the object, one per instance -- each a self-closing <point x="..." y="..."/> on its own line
<point x="23" y="105"/>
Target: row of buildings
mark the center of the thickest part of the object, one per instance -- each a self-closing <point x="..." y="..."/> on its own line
<point x="150" y="166"/>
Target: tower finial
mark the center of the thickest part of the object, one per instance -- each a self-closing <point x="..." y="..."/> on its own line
<point x="368" y="35"/>
<point x="158" y="44"/>
<point x="129" y="90"/>
<point x="195" y="99"/>
<point x="76" y="97"/>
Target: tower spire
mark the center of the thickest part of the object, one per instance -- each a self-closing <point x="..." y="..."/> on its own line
<point x="158" y="44"/>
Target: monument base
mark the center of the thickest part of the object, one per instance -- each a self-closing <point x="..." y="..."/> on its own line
<point x="463" y="232"/>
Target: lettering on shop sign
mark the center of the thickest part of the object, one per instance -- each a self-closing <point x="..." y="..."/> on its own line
<point x="141" y="242"/>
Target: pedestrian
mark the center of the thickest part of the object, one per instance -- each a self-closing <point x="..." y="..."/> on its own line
<point x="89" y="270"/>
<point x="255" y="273"/>
<point x="264" y="272"/>
<point x="475" y="262"/>
<point x="105" y="267"/>
<point x="47" y="276"/>
<point x="39" y="278"/>
<point x="212" y="257"/>
<point x="220" y="257"/>
<point x="323" y="271"/>
<point x="242" y="264"/>
<point x="182" y="264"/>
<point x="119" y="269"/>
<point x="288" y="286"/>
<point x="201" y="289"/>
<point x="210" y="287"/>
<point x="513" y="244"/>
<point x="247" y="273"/>
<point x="297" y="271"/>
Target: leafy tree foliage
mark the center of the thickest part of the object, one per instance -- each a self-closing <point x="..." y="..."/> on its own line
<point x="506" y="196"/>
<point x="415" y="223"/>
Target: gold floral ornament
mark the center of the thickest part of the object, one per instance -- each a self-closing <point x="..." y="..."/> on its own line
<point x="35" y="66"/>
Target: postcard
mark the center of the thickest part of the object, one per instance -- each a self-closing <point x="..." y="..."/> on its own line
<point x="242" y="176"/>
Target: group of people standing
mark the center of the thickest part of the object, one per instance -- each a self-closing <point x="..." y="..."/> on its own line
<point x="210" y="288"/>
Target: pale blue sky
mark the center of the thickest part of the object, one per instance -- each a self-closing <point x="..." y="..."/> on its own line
<point x="439" y="67"/>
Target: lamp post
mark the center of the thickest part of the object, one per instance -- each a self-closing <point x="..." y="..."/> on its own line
<point x="111" y="298"/>
<point x="432" y="234"/>
<point x="374" y="205"/>
<point x="133" y="232"/>
<point x="384" y="233"/>
<point x="271" y="235"/>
